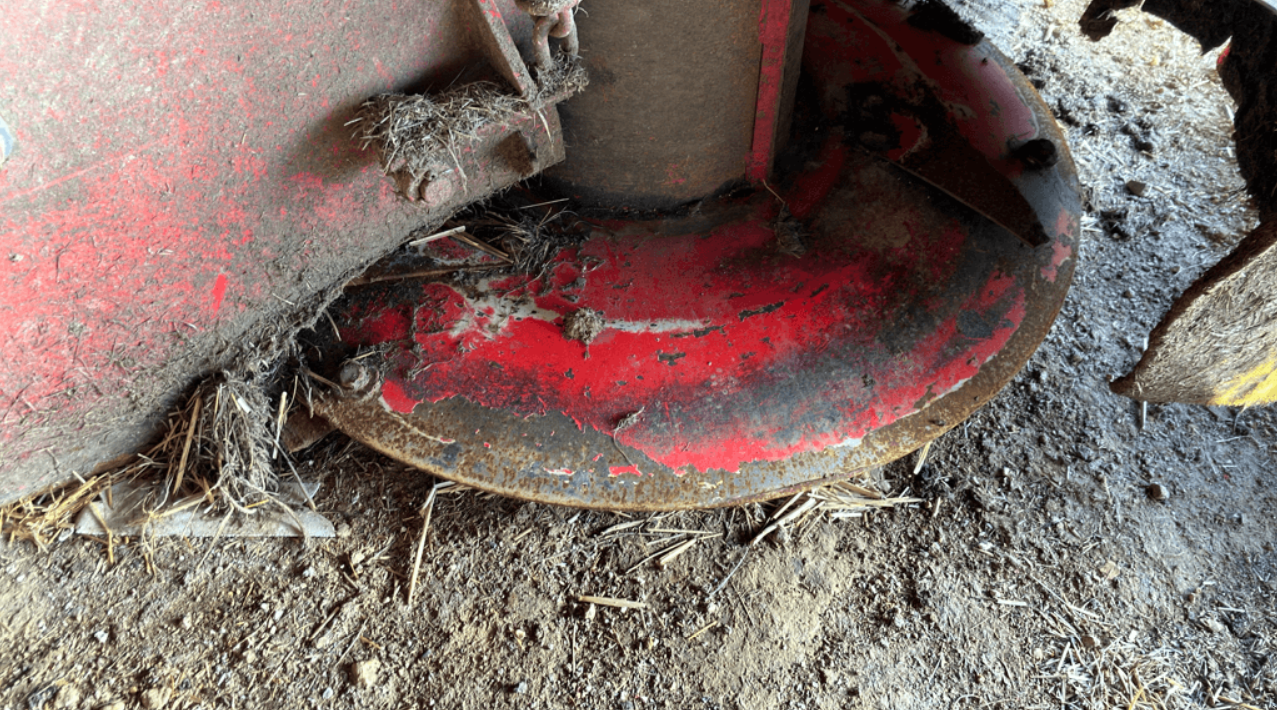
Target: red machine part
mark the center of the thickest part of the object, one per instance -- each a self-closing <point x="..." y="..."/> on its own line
<point x="730" y="365"/>
<point x="183" y="174"/>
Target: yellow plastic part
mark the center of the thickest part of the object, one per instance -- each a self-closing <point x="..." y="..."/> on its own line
<point x="1259" y="386"/>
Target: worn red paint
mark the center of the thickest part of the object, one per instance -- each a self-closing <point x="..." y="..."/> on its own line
<point x="165" y="166"/>
<point x="219" y="292"/>
<point x="773" y="34"/>
<point x="632" y="470"/>
<point x="711" y="326"/>
<point x="1065" y="224"/>
<point x="396" y="399"/>
<point x="733" y="351"/>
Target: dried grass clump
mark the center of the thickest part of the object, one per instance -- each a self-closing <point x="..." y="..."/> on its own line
<point x="533" y="241"/>
<point x="233" y="430"/>
<point x="565" y="78"/>
<point x="222" y="442"/>
<point x="854" y="497"/>
<point x="420" y="132"/>
<point x="42" y="517"/>
<point x="525" y="236"/>
<point x="415" y="132"/>
<point x="1121" y="675"/>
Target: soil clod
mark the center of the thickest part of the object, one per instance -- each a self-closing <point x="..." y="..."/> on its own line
<point x="364" y="674"/>
<point x="583" y="324"/>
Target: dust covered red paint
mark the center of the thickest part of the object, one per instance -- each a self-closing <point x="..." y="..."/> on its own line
<point x="718" y="348"/>
<point x="171" y="185"/>
<point x="731" y="350"/>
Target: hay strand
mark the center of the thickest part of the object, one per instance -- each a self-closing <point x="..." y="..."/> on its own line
<point x="427" y="509"/>
<point x="609" y="601"/>
<point x="186" y="448"/>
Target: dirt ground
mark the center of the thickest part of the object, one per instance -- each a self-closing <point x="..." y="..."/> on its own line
<point x="1038" y="572"/>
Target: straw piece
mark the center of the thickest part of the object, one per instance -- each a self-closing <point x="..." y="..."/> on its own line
<point x="609" y="601"/>
<point x="702" y="630"/>
<point x="622" y="526"/>
<point x="437" y="236"/>
<point x="675" y="551"/>
<point x="794" y="514"/>
<point x="186" y="448"/>
<point x="922" y="458"/>
<point x="426" y="509"/>
<point x="481" y="246"/>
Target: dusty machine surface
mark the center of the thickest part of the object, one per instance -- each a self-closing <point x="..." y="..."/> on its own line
<point x="174" y="200"/>
<point x="809" y="241"/>
<point x="808" y="247"/>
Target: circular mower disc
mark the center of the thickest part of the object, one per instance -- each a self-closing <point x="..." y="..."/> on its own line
<point x="742" y="351"/>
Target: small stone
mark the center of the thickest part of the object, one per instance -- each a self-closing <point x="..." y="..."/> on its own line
<point x="102" y="636"/>
<point x="1137" y="188"/>
<point x="521" y="688"/>
<point x="364" y="673"/>
<point x="185" y="622"/>
<point x="68" y="697"/>
<point x="1089" y="641"/>
<point x="309" y="572"/>
<point x="1157" y="491"/>
<point x="327" y="694"/>
<point x="352" y="375"/>
<point x="1214" y="626"/>
<point x="154" y="698"/>
<point x="591" y="611"/>
<point x="343" y="530"/>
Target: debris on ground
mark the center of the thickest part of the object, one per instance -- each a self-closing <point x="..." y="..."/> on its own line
<point x="128" y="509"/>
<point x="364" y="673"/>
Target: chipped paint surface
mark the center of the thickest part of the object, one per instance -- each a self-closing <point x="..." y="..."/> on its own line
<point x="728" y="369"/>
<point x="733" y="351"/>
<point x="184" y="169"/>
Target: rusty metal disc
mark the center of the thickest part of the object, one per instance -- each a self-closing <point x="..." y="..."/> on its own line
<point x="743" y="351"/>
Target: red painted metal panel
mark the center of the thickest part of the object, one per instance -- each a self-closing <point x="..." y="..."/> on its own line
<point x="736" y="351"/>
<point x="182" y="170"/>
<point x="781" y="28"/>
